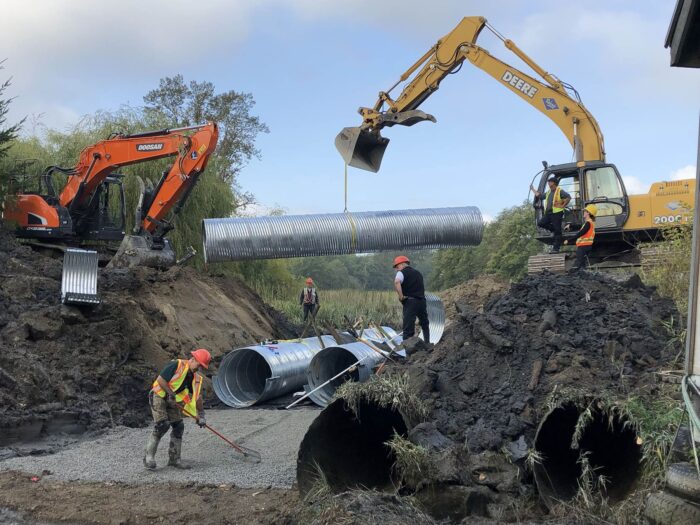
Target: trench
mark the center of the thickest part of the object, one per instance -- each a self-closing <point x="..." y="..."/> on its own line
<point x="349" y="451"/>
<point x="608" y="443"/>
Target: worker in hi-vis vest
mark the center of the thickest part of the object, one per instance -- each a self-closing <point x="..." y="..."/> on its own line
<point x="308" y="299"/>
<point x="177" y="387"/>
<point x="554" y="202"/>
<point x="585" y="237"/>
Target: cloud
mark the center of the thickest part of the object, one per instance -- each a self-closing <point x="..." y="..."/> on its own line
<point x="687" y="172"/>
<point x="635" y="186"/>
<point x="61" y="51"/>
<point x="622" y="47"/>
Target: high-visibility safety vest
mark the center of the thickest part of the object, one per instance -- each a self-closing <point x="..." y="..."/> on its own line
<point x="185" y="397"/>
<point x="557" y="203"/>
<point x="587" y="238"/>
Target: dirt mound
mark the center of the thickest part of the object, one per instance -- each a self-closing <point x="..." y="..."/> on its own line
<point x="475" y="293"/>
<point x="488" y="381"/>
<point x="67" y="369"/>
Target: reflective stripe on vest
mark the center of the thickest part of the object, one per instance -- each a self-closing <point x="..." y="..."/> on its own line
<point x="587" y="238"/>
<point x="175" y="383"/>
<point x="555" y="200"/>
<point x="191" y="407"/>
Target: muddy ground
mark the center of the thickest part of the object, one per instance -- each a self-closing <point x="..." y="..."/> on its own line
<point x="121" y="504"/>
<point x="66" y="369"/>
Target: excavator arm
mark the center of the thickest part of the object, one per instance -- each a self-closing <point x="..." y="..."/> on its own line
<point x="363" y="147"/>
<point x="98" y="161"/>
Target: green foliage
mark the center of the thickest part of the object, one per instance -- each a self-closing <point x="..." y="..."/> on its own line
<point x="507" y="244"/>
<point x="379" y="307"/>
<point x="7" y="133"/>
<point x="359" y="272"/>
<point x="669" y="272"/>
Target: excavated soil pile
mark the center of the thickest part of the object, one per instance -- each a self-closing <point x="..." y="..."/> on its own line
<point x="487" y="382"/>
<point x="66" y="369"/>
<point x="475" y="293"/>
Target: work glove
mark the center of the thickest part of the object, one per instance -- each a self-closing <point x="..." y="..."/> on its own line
<point x="202" y="422"/>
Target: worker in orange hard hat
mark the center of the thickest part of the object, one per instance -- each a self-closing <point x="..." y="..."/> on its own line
<point x="408" y="283"/>
<point x="308" y="299"/>
<point x="585" y="237"/>
<point x="177" y="387"/>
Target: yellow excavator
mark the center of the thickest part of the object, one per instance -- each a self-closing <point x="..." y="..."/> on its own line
<point x="623" y="220"/>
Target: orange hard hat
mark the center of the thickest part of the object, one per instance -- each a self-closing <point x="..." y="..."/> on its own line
<point x="202" y="356"/>
<point x="400" y="259"/>
<point x="309" y="281"/>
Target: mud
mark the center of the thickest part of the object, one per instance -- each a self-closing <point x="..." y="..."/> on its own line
<point x="112" y="503"/>
<point x="65" y="370"/>
<point x="488" y="381"/>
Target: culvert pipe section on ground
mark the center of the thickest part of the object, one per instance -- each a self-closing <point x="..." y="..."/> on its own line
<point x="238" y="239"/>
<point x="607" y="443"/>
<point x="331" y="361"/>
<point x="256" y="373"/>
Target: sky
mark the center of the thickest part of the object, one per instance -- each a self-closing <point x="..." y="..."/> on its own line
<point x="311" y="63"/>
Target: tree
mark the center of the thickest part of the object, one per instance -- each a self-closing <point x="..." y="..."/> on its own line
<point x="507" y="244"/>
<point x="180" y="104"/>
<point x="7" y="133"/>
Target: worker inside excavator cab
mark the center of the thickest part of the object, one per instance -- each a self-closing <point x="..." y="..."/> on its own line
<point x="573" y="216"/>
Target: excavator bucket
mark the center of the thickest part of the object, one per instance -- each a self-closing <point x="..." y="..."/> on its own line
<point x="361" y="149"/>
<point x="135" y="250"/>
<point x="79" y="281"/>
<point x="365" y="149"/>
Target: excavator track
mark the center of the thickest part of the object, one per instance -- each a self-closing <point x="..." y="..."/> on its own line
<point x="552" y="262"/>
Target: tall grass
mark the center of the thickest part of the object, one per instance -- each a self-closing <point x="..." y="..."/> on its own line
<point x="670" y="273"/>
<point x="372" y="306"/>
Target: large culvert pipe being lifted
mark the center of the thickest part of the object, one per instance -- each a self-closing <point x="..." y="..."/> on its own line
<point x="237" y="239"/>
<point x="606" y="445"/>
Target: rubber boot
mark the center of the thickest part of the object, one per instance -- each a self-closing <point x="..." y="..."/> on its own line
<point x="174" y="452"/>
<point x="149" y="458"/>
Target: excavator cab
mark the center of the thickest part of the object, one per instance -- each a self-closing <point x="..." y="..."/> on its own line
<point x="593" y="182"/>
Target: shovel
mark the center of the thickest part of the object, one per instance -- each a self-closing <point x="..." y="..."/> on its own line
<point x="248" y="453"/>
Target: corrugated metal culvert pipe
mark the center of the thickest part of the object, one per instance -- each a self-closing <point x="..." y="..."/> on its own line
<point x="237" y="239"/>
<point x="256" y="373"/>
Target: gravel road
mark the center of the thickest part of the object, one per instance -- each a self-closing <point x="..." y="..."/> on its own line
<point x="117" y="455"/>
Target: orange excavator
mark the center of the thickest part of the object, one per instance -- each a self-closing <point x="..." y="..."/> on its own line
<point x="90" y="207"/>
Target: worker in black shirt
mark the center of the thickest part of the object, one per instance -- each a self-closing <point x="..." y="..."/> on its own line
<point x="408" y="284"/>
<point x="554" y="202"/>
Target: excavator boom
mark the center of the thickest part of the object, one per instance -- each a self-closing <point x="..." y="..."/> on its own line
<point x="363" y="147"/>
